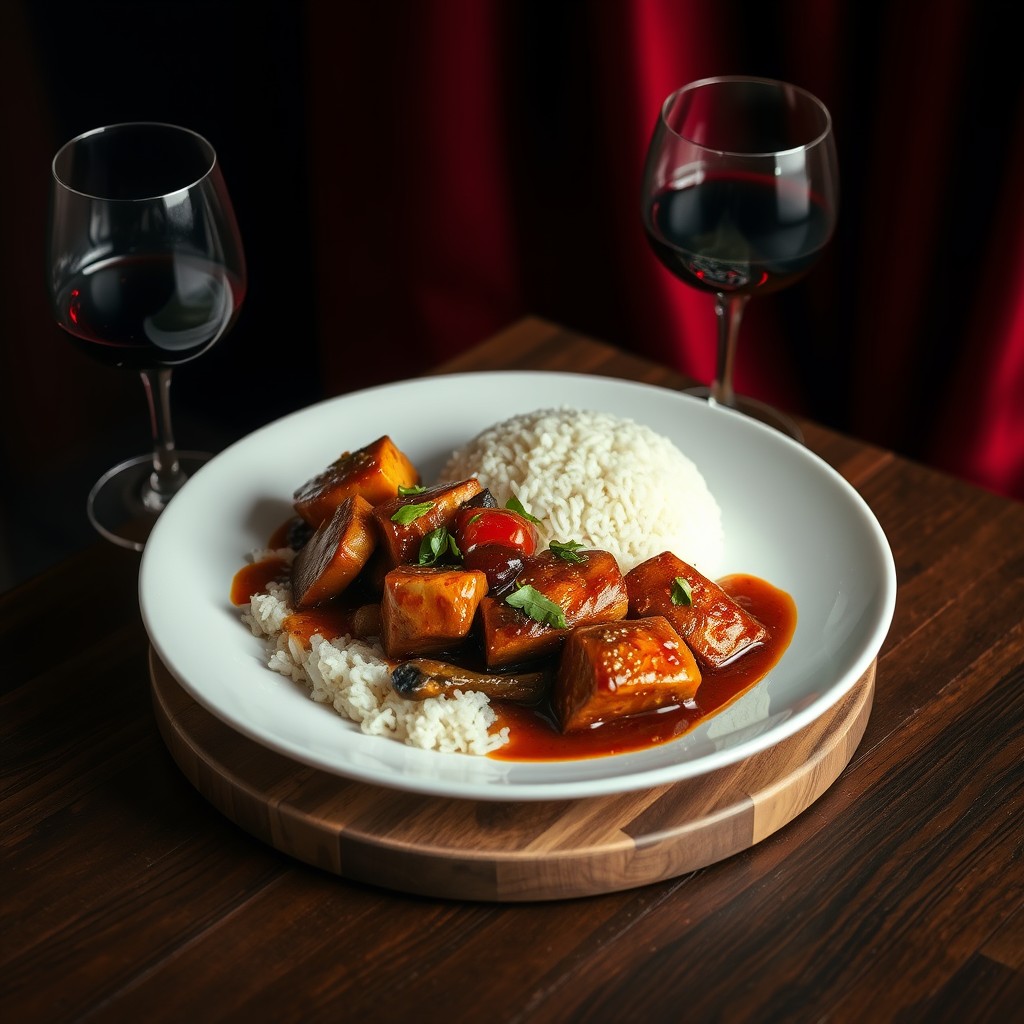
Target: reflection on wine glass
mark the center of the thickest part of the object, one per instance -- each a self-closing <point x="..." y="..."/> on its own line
<point x="146" y="272"/>
<point x="739" y="198"/>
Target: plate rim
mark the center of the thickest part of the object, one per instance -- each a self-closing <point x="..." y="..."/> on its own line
<point x="502" y="791"/>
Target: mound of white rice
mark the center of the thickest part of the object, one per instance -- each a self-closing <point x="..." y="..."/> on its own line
<point x="354" y="678"/>
<point x="602" y="480"/>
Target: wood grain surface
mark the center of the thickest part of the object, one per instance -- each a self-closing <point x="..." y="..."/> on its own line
<point x="542" y="850"/>
<point x="898" y="895"/>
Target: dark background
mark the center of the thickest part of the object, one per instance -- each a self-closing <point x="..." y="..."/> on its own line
<point x="409" y="177"/>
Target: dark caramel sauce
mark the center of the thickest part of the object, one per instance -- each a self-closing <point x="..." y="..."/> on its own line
<point x="533" y="732"/>
<point x="254" y="578"/>
<point x="279" y="538"/>
<point x="534" y="736"/>
<point x="329" y="621"/>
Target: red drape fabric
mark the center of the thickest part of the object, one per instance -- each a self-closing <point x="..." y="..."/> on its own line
<point x="471" y="161"/>
<point x="980" y="432"/>
<point x="411" y="193"/>
<point x="493" y="153"/>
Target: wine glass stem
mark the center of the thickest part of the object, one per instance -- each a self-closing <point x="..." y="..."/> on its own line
<point x="729" y="311"/>
<point x="167" y="478"/>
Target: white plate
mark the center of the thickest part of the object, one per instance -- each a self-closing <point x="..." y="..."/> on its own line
<point x="788" y="518"/>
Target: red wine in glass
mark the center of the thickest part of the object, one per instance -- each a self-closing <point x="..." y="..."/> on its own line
<point x="734" y="233"/>
<point x="149" y="310"/>
<point x="739" y="198"/>
<point x="146" y="272"/>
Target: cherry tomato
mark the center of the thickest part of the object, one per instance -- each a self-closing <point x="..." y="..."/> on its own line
<point x="475" y="527"/>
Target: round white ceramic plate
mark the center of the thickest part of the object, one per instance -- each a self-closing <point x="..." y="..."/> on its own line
<point x="788" y="517"/>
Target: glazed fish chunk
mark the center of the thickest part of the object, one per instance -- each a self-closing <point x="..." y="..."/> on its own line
<point x="616" y="669"/>
<point x="714" y="626"/>
<point x="592" y="590"/>
<point x="404" y="521"/>
<point x="374" y="472"/>
<point x="425" y="610"/>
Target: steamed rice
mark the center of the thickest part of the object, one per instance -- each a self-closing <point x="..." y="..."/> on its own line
<point x="602" y="480"/>
<point x="594" y="478"/>
<point x="353" y="676"/>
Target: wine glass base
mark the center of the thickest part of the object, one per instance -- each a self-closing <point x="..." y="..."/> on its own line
<point x="116" y="507"/>
<point x="755" y="410"/>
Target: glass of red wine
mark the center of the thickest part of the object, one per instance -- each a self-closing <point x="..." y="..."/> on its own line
<point x="146" y="272"/>
<point x="739" y="198"/>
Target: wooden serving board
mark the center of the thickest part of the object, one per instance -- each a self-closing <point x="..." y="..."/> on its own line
<point x="484" y="850"/>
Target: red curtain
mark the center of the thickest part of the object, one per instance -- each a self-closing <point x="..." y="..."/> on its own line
<point x="412" y="176"/>
<point x="475" y="160"/>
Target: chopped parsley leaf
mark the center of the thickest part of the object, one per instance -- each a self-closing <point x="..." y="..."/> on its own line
<point x="408" y="513"/>
<point x="436" y="545"/>
<point x="515" y="505"/>
<point x="537" y="606"/>
<point x="568" y="551"/>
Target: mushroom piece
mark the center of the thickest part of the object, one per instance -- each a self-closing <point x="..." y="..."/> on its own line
<point x="421" y="678"/>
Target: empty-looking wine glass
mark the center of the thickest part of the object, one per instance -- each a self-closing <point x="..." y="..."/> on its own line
<point x="739" y="198"/>
<point x="146" y="272"/>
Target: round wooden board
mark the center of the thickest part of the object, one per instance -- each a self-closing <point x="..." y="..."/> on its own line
<point x="483" y="850"/>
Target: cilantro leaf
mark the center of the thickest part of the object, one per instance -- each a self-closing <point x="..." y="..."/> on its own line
<point x="407" y="513"/>
<point x="682" y="592"/>
<point x="515" y="505"/>
<point x="435" y="545"/>
<point x="412" y="489"/>
<point x="537" y="606"/>
<point x="568" y="551"/>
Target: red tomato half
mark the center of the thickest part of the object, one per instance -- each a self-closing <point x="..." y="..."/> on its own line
<point x="475" y="527"/>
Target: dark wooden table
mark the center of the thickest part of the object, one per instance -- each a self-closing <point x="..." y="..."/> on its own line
<point x="898" y="895"/>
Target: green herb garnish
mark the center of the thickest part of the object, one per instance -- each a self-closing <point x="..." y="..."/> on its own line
<point x="412" y="489"/>
<point x="682" y="592"/>
<point x="537" y="606"/>
<point x="515" y="505"/>
<point x="436" y="545"/>
<point x="407" y="513"/>
<point x="568" y="551"/>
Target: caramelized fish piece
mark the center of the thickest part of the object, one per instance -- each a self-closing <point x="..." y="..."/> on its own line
<point x="714" y="626"/>
<point x="615" y="669"/>
<point x="374" y="472"/>
<point x="426" y="610"/>
<point x="333" y="620"/>
<point x="592" y="590"/>
<point x="332" y="558"/>
<point x="404" y="521"/>
<point x="421" y="678"/>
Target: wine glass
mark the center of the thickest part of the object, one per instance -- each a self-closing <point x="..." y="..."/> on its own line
<point x="146" y="272"/>
<point x="739" y="198"/>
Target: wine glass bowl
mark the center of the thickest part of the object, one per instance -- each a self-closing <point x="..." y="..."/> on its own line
<point x="146" y="273"/>
<point x="740" y="194"/>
